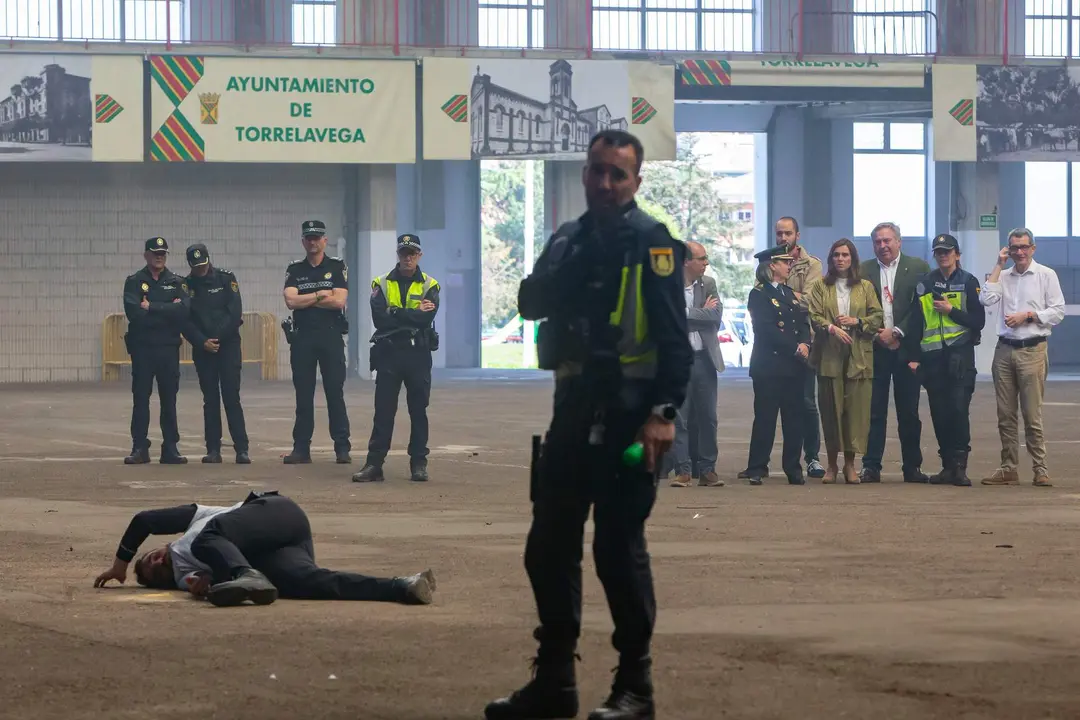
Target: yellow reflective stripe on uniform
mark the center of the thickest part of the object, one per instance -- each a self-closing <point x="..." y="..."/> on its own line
<point x="417" y="290"/>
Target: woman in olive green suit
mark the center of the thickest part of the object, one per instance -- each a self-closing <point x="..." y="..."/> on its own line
<point x="845" y="315"/>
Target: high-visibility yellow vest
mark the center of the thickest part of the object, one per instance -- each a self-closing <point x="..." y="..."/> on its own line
<point x="940" y="330"/>
<point x="417" y="290"/>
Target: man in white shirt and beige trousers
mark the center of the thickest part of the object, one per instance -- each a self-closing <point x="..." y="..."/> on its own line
<point x="1031" y="304"/>
<point x="694" y="451"/>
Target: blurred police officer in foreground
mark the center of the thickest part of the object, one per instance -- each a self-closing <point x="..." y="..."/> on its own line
<point x="316" y="290"/>
<point x="939" y="346"/>
<point x="777" y="366"/>
<point x="403" y="307"/>
<point x="609" y="287"/>
<point x="156" y="304"/>
<point x="213" y="329"/>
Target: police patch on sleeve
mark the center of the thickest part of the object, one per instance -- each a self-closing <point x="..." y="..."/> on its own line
<point x="662" y="261"/>
<point x="235" y="286"/>
<point x="920" y="289"/>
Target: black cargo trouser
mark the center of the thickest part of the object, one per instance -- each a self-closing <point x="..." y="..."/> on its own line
<point x="572" y="477"/>
<point x="150" y="363"/>
<point x="272" y="534"/>
<point x="888" y="366"/>
<point x="312" y="351"/>
<point x="949" y="378"/>
<point x="397" y="366"/>
<point x="219" y="379"/>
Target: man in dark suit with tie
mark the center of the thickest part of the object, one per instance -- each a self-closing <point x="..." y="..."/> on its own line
<point x="777" y="366"/>
<point x="694" y="450"/>
<point x="894" y="276"/>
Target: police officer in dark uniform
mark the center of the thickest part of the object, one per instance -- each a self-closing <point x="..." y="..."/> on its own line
<point x="777" y="366"/>
<point x="403" y="307"/>
<point x="156" y="303"/>
<point x="609" y="289"/>
<point x="213" y="329"/>
<point x="316" y="290"/>
<point x="939" y="346"/>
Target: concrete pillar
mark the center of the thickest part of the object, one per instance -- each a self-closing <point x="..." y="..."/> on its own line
<point x="255" y="22"/>
<point x="978" y="30"/>
<point x="567" y="24"/>
<point x="370" y="251"/>
<point x="564" y="197"/>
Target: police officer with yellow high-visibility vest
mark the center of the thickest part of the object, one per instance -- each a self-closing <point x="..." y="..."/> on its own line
<point x="404" y="303"/>
<point x="609" y="290"/>
<point x="939" y="345"/>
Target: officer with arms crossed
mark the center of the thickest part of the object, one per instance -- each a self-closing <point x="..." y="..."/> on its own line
<point x="316" y="290"/>
<point x="609" y="287"/>
<point x="213" y="329"/>
<point x="403" y="307"/>
<point x="939" y="346"/>
<point x="156" y="303"/>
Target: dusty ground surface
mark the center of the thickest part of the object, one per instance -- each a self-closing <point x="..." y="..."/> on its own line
<point x="816" y="602"/>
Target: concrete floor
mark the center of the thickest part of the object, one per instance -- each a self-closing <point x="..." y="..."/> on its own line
<point x="776" y="602"/>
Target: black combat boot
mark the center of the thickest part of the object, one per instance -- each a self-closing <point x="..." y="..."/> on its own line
<point x="138" y="456"/>
<point x="342" y="457"/>
<point x="550" y="695"/>
<point x="170" y="455"/>
<point x="297" y="457"/>
<point x="948" y="467"/>
<point x="960" y="476"/>
<point x="212" y="457"/>
<point x="249" y="584"/>
<point x="369" y="473"/>
<point x="242" y="457"/>
<point x="418" y="468"/>
<point x="631" y="694"/>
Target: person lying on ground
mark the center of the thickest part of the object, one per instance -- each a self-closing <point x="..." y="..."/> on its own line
<point x="254" y="550"/>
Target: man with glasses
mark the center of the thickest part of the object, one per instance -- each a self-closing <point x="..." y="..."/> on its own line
<point x="1031" y="304"/>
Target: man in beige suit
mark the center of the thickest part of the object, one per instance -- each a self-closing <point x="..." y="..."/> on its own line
<point x="694" y="450"/>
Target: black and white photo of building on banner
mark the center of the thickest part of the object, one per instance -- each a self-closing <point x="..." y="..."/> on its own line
<point x="1028" y="113"/>
<point x="545" y="109"/>
<point x="45" y="108"/>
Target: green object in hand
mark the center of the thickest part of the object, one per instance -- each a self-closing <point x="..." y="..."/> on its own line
<point x="633" y="455"/>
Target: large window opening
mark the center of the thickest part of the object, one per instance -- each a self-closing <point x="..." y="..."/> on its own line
<point x="890" y="177"/>
<point x="1052" y="28"/>
<point x="1052" y="199"/>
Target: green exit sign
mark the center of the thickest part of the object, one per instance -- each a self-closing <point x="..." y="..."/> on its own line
<point x="988" y="222"/>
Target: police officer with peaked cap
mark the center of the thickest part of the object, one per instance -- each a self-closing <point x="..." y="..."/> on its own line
<point x="316" y="290"/>
<point x="777" y="366"/>
<point x="404" y="303"/>
<point x="213" y="329"/>
<point x="156" y="303"/>
<point x="609" y="289"/>
<point x="939" y="346"/>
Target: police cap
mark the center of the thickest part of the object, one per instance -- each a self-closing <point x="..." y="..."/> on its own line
<point x="776" y="252"/>
<point x="945" y="242"/>
<point x="408" y="241"/>
<point x="313" y="227"/>
<point x="198" y="255"/>
<point x="157" y="245"/>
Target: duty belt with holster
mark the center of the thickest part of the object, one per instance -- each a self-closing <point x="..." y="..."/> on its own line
<point x="340" y="323"/>
<point x="384" y="345"/>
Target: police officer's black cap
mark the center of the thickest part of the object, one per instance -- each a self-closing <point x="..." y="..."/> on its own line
<point x="198" y="255"/>
<point x="157" y="245"/>
<point x="776" y="252"/>
<point x="945" y="242"/>
<point x="313" y="227"/>
<point x="408" y="241"/>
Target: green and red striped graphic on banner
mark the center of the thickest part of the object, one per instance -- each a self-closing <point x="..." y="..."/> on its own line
<point x="705" y="72"/>
<point x="105" y="108"/>
<point x="964" y="112"/>
<point x="457" y="107"/>
<point x="641" y="111"/>
<point x="177" y="141"/>
<point x="176" y="75"/>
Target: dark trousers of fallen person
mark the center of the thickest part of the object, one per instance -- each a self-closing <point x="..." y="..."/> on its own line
<point x="257" y="550"/>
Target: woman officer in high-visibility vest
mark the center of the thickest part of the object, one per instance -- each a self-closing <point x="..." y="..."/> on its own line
<point x="939" y="346"/>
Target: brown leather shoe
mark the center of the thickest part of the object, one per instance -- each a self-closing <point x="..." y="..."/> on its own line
<point x="710" y="479"/>
<point x="681" y="481"/>
<point x="1002" y="476"/>
<point x="1042" y="480"/>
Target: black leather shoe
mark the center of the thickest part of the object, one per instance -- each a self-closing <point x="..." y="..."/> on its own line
<point x="550" y="695"/>
<point x="419" y="472"/>
<point x="172" y="457"/>
<point x="344" y="458"/>
<point x="917" y="476"/>
<point x="418" y="588"/>
<point x="297" y="458"/>
<point x="137" y="457"/>
<point x="242" y="458"/>
<point x="369" y="473"/>
<point x="250" y="585"/>
<point x="212" y="456"/>
<point x="796" y="479"/>
<point x="625" y="705"/>
<point x="869" y="475"/>
<point x="945" y="477"/>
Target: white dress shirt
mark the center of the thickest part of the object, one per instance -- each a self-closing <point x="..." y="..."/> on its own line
<point x="888" y="284"/>
<point x="695" y="336"/>
<point x="183" y="562"/>
<point x="843" y="297"/>
<point x="1035" y="290"/>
